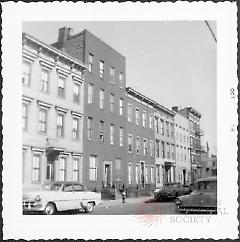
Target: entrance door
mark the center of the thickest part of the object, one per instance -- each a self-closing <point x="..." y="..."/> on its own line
<point x="107" y="174"/>
<point x="184" y="177"/>
<point x="142" y="174"/>
<point x="49" y="172"/>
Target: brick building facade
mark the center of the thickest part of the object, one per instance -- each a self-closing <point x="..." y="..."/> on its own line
<point x="104" y="141"/>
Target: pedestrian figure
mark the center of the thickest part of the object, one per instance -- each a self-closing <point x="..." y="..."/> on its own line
<point x="123" y="195"/>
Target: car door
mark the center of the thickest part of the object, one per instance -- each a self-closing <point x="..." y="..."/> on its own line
<point x="79" y="195"/>
<point x="204" y="194"/>
<point x="66" y="198"/>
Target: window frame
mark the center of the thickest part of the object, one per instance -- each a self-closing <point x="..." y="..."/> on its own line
<point x="60" y="127"/>
<point x="42" y="123"/>
<point x="26" y="74"/>
<point x="45" y="83"/>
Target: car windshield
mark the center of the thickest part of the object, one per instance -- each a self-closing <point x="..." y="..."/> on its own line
<point x="175" y="185"/>
<point x="206" y="186"/>
<point x="52" y="187"/>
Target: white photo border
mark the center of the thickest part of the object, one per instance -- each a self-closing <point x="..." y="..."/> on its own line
<point x="18" y="226"/>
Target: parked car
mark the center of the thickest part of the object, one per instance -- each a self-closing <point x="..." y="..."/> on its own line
<point x="61" y="196"/>
<point x="171" y="190"/>
<point x="203" y="198"/>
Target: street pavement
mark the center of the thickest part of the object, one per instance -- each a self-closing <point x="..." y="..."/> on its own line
<point x="132" y="206"/>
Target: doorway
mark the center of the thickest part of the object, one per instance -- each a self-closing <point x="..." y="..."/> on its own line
<point x="107" y="175"/>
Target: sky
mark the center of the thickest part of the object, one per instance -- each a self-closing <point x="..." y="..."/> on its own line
<point x="171" y="62"/>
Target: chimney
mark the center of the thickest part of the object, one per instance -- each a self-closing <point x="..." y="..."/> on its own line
<point x="175" y="109"/>
<point x="63" y="34"/>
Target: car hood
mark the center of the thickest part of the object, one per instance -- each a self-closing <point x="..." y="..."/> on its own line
<point x="34" y="194"/>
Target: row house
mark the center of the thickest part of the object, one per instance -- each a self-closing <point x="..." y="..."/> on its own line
<point x="183" y="165"/>
<point x="52" y="114"/>
<point x="165" y="145"/>
<point x="104" y="132"/>
<point x="195" y="134"/>
<point x="140" y="140"/>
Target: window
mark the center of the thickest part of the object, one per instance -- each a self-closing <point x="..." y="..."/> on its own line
<point x="157" y="148"/>
<point x="92" y="168"/>
<point x="162" y="126"/>
<point x="172" y="151"/>
<point x="137" y="174"/>
<point x="75" y="131"/>
<point x="101" y="99"/>
<point x="44" y="80"/>
<point x="90" y="62"/>
<point x="171" y="131"/>
<point x="111" y="102"/>
<point x="76" y="92"/>
<point x="129" y="173"/>
<point x="168" y="151"/>
<point x="90" y="128"/>
<point x="36" y="168"/>
<point x="129" y="113"/>
<point x="163" y="149"/>
<point x="60" y="125"/>
<point x="130" y="143"/>
<point x="75" y="169"/>
<point x="61" y="87"/>
<point x="101" y="68"/>
<point x="121" y="106"/>
<point x="62" y="171"/>
<point x="191" y="142"/>
<point x="156" y="124"/>
<point x="121" y="136"/>
<point x="121" y="77"/>
<point x="24" y="116"/>
<point x="151" y="174"/>
<point x="101" y="131"/>
<point x="90" y="93"/>
<point x="167" y="129"/>
<point x="138" y="145"/>
<point x="42" y="120"/>
<point x="145" y="151"/>
<point x="118" y="169"/>
<point x="146" y="174"/>
<point x="158" y="173"/>
<point x="26" y="72"/>
<point x="150" y="121"/>
<point x="144" y="119"/>
<point x="137" y="116"/>
<point x="112" y="134"/>
<point x="112" y="75"/>
<point x="151" y="148"/>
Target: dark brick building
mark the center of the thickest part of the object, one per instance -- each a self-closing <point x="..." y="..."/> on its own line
<point x="104" y="138"/>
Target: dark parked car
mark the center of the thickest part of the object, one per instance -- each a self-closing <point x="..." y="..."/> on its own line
<point x="171" y="190"/>
<point x="203" y="199"/>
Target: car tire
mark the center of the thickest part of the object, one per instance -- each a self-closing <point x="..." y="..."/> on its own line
<point x="50" y="209"/>
<point x="89" y="207"/>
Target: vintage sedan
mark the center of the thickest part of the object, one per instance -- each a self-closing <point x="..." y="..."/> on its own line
<point x="61" y="196"/>
<point x="170" y="190"/>
<point x="203" y="198"/>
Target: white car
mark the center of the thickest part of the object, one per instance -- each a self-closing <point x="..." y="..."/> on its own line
<point x="61" y="196"/>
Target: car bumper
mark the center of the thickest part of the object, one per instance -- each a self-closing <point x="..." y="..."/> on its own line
<point x="197" y="210"/>
<point x="31" y="206"/>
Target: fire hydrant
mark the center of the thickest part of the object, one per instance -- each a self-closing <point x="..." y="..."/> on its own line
<point x="123" y="196"/>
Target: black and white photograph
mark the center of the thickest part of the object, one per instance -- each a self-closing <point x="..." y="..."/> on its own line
<point x="122" y="117"/>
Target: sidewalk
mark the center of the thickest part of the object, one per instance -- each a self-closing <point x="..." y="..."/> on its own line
<point x="118" y="201"/>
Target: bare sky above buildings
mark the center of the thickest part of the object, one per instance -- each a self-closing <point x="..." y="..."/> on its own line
<point x="172" y="62"/>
